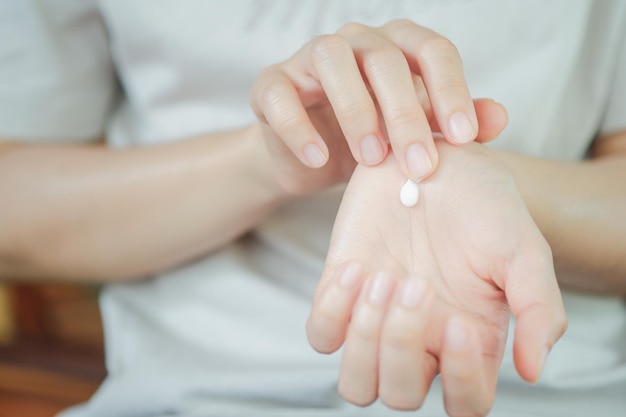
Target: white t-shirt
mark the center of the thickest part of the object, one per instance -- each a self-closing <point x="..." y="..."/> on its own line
<point x="225" y="335"/>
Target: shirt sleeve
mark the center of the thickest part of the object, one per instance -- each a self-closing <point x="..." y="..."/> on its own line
<point x="615" y="114"/>
<point x="57" y="82"/>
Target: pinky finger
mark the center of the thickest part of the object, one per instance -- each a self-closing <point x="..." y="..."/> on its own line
<point x="466" y="389"/>
<point x="276" y="101"/>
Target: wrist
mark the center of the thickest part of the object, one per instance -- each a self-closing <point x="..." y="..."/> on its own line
<point x="525" y="169"/>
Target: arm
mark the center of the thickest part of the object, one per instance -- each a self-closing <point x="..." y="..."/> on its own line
<point x="580" y="208"/>
<point x="90" y="213"/>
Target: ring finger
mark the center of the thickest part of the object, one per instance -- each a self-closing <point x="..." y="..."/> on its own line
<point x="404" y="372"/>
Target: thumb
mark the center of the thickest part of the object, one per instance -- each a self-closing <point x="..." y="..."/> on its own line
<point x="492" y="119"/>
<point x="535" y="300"/>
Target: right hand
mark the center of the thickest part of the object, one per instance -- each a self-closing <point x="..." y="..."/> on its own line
<point x="344" y="98"/>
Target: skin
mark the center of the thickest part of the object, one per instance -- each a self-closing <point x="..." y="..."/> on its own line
<point x="87" y="213"/>
<point x="580" y="208"/>
<point x="367" y="75"/>
<point x="476" y="245"/>
<point x="437" y="298"/>
<point x="117" y="206"/>
<point x="401" y="83"/>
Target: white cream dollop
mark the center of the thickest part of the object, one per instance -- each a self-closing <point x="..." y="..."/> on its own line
<point x="410" y="193"/>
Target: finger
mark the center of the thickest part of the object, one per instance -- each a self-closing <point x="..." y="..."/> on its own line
<point x="390" y="78"/>
<point x="535" y="299"/>
<point x="402" y="383"/>
<point x="332" y="60"/>
<point x="492" y="119"/>
<point x="465" y="387"/>
<point x="438" y="61"/>
<point x="275" y="100"/>
<point x="330" y="314"/>
<point x="358" y="378"/>
<point x="492" y="116"/>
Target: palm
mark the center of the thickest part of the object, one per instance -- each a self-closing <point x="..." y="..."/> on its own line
<point x="461" y="235"/>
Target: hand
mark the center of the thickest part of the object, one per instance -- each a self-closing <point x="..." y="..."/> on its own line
<point x="357" y="90"/>
<point x="426" y="290"/>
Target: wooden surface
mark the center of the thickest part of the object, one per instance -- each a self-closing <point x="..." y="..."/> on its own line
<point x="54" y="358"/>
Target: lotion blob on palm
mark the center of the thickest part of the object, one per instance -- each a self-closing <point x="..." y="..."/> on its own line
<point x="410" y="193"/>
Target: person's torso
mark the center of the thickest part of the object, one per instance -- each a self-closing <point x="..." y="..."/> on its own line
<point x="227" y="332"/>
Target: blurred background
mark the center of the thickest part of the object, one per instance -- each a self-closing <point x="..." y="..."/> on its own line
<point x="51" y="347"/>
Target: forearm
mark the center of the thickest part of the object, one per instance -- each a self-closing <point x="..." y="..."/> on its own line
<point x="90" y="213"/>
<point x="581" y="209"/>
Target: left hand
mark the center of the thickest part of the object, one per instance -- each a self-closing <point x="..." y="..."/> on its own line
<point x="418" y="291"/>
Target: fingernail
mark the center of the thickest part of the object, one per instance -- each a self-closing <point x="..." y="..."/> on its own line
<point x="456" y="334"/>
<point x="350" y="276"/>
<point x="413" y="293"/>
<point x="314" y="155"/>
<point x="418" y="161"/>
<point x="381" y="290"/>
<point x="461" y="128"/>
<point x="371" y="150"/>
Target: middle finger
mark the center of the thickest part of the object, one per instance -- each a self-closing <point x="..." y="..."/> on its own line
<point x="390" y="78"/>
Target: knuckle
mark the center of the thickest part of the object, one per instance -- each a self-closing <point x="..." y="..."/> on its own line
<point x="451" y="88"/>
<point x="398" y="339"/>
<point x="402" y="116"/>
<point x="352" y="28"/>
<point x="268" y="91"/>
<point x="326" y="312"/>
<point x="270" y="98"/>
<point x="437" y="46"/>
<point x="287" y="125"/>
<point x="264" y="81"/>
<point x="353" y="112"/>
<point x="384" y="57"/>
<point x="325" y="47"/>
<point x="462" y="376"/>
<point x="397" y="24"/>
<point x="364" y="330"/>
<point x="364" y="334"/>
